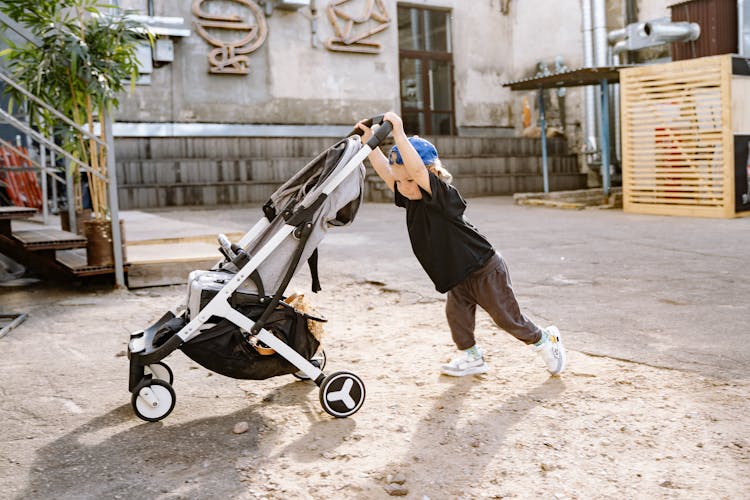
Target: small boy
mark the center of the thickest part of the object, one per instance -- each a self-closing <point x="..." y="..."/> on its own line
<point x="457" y="258"/>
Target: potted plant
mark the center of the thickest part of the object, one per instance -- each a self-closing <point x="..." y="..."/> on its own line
<point x="82" y="63"/>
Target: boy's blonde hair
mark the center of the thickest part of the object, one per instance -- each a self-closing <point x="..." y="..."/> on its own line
<point x="438" y="169"/>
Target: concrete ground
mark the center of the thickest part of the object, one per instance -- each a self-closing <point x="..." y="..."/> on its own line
<point x="654" y="403"/>
<point x="663" y="291"/>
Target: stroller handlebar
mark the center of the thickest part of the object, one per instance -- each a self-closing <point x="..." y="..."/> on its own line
<point x="379" y="135"/>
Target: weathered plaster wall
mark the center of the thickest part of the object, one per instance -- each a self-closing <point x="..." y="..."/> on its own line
<point x="289" y="82"/>
<point x="292" y="82"/>
<point x="654" y="9"/>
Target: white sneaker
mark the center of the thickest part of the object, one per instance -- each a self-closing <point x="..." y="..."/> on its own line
<point x="553" y="351"/>
<point x="465" y="365"/>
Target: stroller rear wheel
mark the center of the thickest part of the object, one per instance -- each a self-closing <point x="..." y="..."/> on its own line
<point x="160" y="371"/>
<point x="153" y="399"/>
<point x="342" y="394"/>
<point x="318" y="359"/>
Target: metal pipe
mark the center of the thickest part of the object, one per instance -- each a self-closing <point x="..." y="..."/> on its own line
<point x="618" y="35"/>
<point x="616" y="112"/>
<point x="543" y="125"/>
<point x="673" y="32"/>
<point x="620" y="47"/>
<point x="743" y="27"/>
<point x="43" y="176"/>
<point x="599" y="15"/>
<point x="589" y="129"/>
<point x="150" y="7"/>
<point x="70" y="194"/>
<point x="114" y="211"/>
<point x="605" y="137"/>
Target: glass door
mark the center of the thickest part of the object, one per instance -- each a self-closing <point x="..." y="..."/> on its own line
<point x="426" y="71"/>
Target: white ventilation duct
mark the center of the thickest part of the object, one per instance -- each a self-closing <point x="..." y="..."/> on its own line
<point x="672" y="32"/>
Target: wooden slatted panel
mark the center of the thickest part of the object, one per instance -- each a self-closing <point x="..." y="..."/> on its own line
<point x="677" y="152"/>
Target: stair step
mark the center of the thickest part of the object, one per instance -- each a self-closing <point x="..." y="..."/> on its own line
<point x="48" y="239"/>
<point x="76" y="262"/>
<point x="16" y="213"/>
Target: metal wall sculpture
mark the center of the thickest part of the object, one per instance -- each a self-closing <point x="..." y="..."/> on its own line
<point x="351" y="31"/>
<point x="230" y="57"/>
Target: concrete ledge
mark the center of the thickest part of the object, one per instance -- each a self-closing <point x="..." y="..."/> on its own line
<point x="578" y="199"/>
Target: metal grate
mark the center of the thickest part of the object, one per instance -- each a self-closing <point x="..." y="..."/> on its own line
<point x="677" y="152"/>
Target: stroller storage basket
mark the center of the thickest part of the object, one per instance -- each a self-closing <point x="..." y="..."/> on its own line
<point x="224" y="349"/>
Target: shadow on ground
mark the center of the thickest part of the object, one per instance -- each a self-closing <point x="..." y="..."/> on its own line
<point x="193" y="460"/>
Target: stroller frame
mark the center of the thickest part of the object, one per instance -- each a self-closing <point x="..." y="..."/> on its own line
<point x="341" y="393"/>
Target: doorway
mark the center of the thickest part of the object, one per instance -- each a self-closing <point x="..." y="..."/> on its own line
<point x="426" y="70"/>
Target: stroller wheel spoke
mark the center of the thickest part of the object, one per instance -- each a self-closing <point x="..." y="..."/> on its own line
<point x="342" y="394"/>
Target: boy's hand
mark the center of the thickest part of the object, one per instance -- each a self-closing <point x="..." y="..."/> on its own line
<point x="366" y="131"/>
<point x="396" y="121"/>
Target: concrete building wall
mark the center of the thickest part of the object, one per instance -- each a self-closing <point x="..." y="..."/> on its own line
<point x="292" y="82"/>
<point x="654" y="9"/>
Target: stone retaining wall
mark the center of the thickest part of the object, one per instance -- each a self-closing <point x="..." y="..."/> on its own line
<point x="204" y="171"/>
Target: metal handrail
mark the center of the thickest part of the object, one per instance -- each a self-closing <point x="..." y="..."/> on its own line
<point x="50" y="144"/>
<point x="110" y="179"/>
<point x="89" y="134"/>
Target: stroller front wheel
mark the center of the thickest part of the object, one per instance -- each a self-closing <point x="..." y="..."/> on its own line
<point x="153" y="399"/>
<point x="160" y="371"/>
<point x="342" y="394"/>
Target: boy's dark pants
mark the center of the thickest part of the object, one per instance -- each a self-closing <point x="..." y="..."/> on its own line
<point x="491" y="289"/>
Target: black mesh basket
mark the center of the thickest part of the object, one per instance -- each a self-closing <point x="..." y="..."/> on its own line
<point x="224" y="349"/>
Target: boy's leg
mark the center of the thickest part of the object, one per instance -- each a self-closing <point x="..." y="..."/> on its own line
<point x="495" y="295"/>
<point x="460" y="310"/>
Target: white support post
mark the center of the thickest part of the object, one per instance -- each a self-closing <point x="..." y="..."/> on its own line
<point x="114" y="210"/>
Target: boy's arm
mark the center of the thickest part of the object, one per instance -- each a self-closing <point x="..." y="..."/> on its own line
<point x="377" y="159"/>
<point x="380" y="163"/>
<point x="412" y="161"/>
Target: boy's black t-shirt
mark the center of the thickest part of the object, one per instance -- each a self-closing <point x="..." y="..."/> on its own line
<point x="445" y="243"/>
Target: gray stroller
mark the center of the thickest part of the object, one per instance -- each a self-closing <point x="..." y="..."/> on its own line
<point x="235" y="320"/>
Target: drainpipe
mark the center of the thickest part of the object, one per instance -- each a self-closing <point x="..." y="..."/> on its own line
<point x="601" y="48"/>
<point x="151" y="8"/>
<point x="588" y="62"/>
<point x="599" y="14"/>
<point x="743" y="27"/>
<point x="618" y="45"/>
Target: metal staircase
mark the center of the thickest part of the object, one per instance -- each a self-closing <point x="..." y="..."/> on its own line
<point x="54" y="253"/>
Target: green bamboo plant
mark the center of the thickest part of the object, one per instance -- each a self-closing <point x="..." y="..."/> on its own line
<point x="84" y="61"/>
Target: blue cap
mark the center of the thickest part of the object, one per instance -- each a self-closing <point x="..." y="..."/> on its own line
<point x="426" y="151"/>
